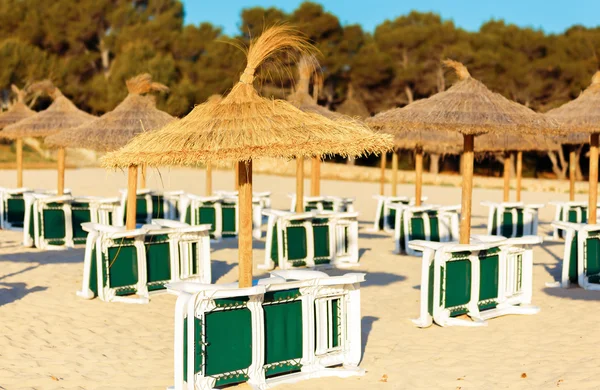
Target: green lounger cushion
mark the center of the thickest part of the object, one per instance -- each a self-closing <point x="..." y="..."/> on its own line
<point x="122" y="265"/>
<point x="15" y="212"/>
<point x="229" y="220"/>
<point x="283" y="332"/>
<point x="228" y="343"/>
<point x="52" y="222"/>
<point x="158" y="261"/>
<point x="80" y="213"/>
<point x="592" y="257"/>
<point x="489" y="265"/>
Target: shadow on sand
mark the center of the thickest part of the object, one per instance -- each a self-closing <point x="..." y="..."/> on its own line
<point x="366" y="328"/>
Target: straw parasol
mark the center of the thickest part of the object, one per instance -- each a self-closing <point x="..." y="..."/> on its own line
<point x="208" y="185"/>
<point x="468" y="108"/>
<point x="243" y="127"/>
<point x="17" y="112"/>
<point x="507" y="144"/>
<point x="301" y="98"/>
<point x="581" y="117"/>
<point x="62" y="114"/>
<point x="135" y="114"/>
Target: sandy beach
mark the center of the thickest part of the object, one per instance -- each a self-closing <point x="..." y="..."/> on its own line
<point x="52" y="339"/>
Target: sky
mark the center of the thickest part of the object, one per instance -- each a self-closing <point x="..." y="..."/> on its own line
<point x="552" y="16"/>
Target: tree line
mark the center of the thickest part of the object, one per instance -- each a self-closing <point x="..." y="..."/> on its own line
<point x="90" y="47"/>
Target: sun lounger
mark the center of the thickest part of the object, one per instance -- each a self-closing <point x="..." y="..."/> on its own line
<point x="12" y="208"/>
<point x="512" y="219"/>
<point x="385" y="216"/>
<point x="128" y="265"/>
<point x="324" y="203"/>
<point x="488" y="278"/>
<point x="311" y="239"/>
<point x="429" y="223"/>
<point x="575" y="212"/>
<point x="151" y="204"/>
<point x="292" y="326"/>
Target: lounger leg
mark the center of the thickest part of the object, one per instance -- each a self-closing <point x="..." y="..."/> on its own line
<point x="425" y="319"/>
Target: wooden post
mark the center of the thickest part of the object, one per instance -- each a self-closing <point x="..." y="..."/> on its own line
<point x="467" y="189"/>
<point x="61" y="172"/>
<point x="245" y="229"/>
<point x="299" y="184"/>
<point x="572" y="173"/>
<point x="19" y="162"/>
<point x="131" y="197"/>
<point x="143" y="176"/>
<point x="395" y="173"/>
<point x="237" y="175"/>
<point x="507" y="163"/>
<point x="519" y="174"/>
<point x="315" y="177"/>
<point x="418" y="175"/>
<point x="593" y="178"/>
<point x="208" y="191"/>
<point x="382" y="176"/>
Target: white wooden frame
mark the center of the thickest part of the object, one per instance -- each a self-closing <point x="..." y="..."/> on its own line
<point x="181" y="236"/>
<point x="316" y="288"/>
<point x="515" y="264"/>
<point x="530" y="217"/>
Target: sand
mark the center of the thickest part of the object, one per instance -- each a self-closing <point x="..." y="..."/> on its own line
<point x="51" y="339"/>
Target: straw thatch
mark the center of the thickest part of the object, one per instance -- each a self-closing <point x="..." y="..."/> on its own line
<point x="580" y="117"/>
<point x="62" y="114"/>
<point x="134" y="115"/>
<point x="468" y="107"/>
<point x="492" y="143"/>
<point x="435" y="142"/>
<point x="301" y="97"/>
<point x="244" y="126"/>
<point x="18" y="111"/>
<point x="353" y="106"/>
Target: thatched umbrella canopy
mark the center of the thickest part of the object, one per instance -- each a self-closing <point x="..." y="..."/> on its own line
<point x="301" y="99"/>
<point x="353" y="106"/>
<point x="468" y="108"/>
<point x="135" y="114"/>
<point x="581" y="118"/>
<point x="18" y="111"/>
<point x="507" y="144"/>
<point x="243" y="127"/>
<point x="62" y="114"/>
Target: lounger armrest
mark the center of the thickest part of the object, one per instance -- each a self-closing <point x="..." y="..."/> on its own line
<point x="421" y="245"/>
<point x="215" y="291"/>
<point x="298" y="274"/>
<point x="276" y="213"/>
<point x="450" y="208"/>
<point x="168" y="223"/>
<point x="127" y="233"/>
<point x="535" y="206"/>
<point x="15" y="191"/>
<point x="113" y="200"/>
<point x="590" y="228"/>
<point x="422" y="209"/>
<point x="263" y="194"/>
<point x="525" y="240"/>
<point x="397" y="206"/>
<point x="174" y="193"/>
<point x="487" y="238"/>
<point x="562" y="225"/>
<point x="55" y="199"/>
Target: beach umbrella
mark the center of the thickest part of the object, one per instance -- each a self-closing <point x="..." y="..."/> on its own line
<point x="137" y="113"/>
<point x="208" y="184"/>
<point x="301" y="98"/>
<point x="243" y="127"/>
<point x="60" y="115"/>
<point x="507" y="144"/>
<point x="468" y="108"/>
<point x="581" y="117"/>
<point x="17" y="112"/>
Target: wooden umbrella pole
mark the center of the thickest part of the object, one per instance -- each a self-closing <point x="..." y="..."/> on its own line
<point x="418" y="176"/>
<point x="315" y="176"/>
<point x="593" y="178"/>
<point x="61" y="172"/>
<point x="208" y="179"/>
<point x="507" y="161"/>
<point x="237" y="175"/>
<point x="143" y="176"/>
<point x="245" y="229"/>
<point x="467" y="189"/>
<point x="395" y="173"/>
<point x="572" y="173"/>
<point x="299" y="184"/>
<point x="131" y="197"/>
<point x="519" y="174"/>
<point x="382" y="176"/>
<point x="19" y="147"/>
